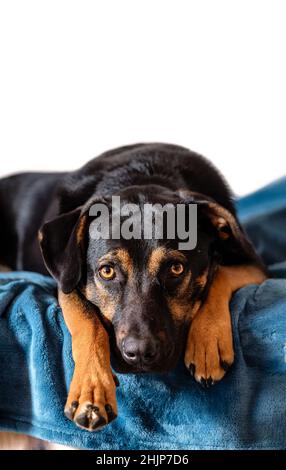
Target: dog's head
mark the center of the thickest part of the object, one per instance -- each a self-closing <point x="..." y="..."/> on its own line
<point x="146" y="290"/>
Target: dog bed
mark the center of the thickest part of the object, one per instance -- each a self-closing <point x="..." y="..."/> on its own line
<point x="245" y="411"/>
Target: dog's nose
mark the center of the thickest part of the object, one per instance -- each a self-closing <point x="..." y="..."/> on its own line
<point x="143" y="351"/>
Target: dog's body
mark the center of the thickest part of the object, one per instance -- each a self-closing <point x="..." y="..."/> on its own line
<point x="100" y="283"/>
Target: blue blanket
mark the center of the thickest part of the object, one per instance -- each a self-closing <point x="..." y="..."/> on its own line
<point x="246" y="410"/>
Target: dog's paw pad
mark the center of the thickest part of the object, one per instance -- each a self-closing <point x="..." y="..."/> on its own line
<point x="90" y="418"/>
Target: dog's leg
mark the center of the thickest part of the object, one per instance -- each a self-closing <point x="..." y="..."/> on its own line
<point x="91" y="400"/>
<point x="209" y="352"/>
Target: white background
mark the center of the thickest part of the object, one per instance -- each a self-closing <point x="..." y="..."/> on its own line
<point x="80" y="77"/>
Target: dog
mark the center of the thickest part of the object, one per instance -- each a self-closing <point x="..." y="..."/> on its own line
<point x="138" y="304"/>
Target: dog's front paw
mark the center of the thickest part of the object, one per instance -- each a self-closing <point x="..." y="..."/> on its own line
<point x="209" y="352"/>
<point x="91" y="402"/>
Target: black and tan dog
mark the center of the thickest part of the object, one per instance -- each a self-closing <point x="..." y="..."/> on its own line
<point x="140" y="303"/>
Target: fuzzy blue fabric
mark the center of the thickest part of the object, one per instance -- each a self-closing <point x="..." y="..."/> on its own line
<point x="245" y="411"/>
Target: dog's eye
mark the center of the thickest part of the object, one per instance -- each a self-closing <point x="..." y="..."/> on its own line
<point x="177" y="269"/>
<point x="107" y="272"/>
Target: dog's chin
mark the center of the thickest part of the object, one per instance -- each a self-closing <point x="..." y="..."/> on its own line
<point x="123" y="367"/>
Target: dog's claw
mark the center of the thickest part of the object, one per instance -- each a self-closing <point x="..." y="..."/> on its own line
<point x="203" y="383"/>
<point x="192" y="369"/>
<point x="225" y="365"/>
<point x="116" y="381"/>
<point x="110" y="413"/>
<point x="209" y="382"/>
<point x="69" y="412"/>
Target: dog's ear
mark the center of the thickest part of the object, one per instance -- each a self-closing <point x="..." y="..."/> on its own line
<point x="231" y="241"/>
<point x="62" y="245"/>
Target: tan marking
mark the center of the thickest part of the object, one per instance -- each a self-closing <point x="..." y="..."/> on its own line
<point x="88" y="291"/>
<point x="159" y="255"/>
<point x="106" y="258"/>
<point x="106" y="305"/>
<point x="210" y="342"/>
<point x="96" y="293"/>
<point x="126" y="261"/>
<point x="81" y="228"/>
<point x="122" y="256"/>
<point x="120" y="335"/>
<point x="180" y="306"/>
<point x="108" y="311"/>
<point x="93" y="382"/>
<point x="155" y="260"/>
<point x="179" y="309"/>
<point x="183" y="310"/>
<point x="176" y="255"/>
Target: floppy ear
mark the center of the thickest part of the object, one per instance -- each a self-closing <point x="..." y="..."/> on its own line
<point x="61" y="242"/>
<point x="231" y="241"/>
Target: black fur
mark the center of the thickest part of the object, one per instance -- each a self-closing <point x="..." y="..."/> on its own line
<point x="139" y="173"/>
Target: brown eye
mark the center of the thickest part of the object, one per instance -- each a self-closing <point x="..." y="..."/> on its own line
<point x="107" y="272"/>
<point x="177" y="269"/>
